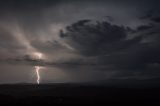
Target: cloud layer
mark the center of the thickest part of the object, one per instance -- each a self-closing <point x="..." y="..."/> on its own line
<point x="80" y="40"/>
<point x="134" y="53"/>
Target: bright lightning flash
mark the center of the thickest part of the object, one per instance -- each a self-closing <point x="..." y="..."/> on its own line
<point x="37" y="68"/>
<point x="38" y="55"/>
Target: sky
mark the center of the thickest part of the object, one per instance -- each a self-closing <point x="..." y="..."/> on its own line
<point x="79" y="40"/>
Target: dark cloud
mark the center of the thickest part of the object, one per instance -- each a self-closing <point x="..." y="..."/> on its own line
<point x="7" y="40"/>
<point x="156" y="19"/>
<point x="101" y="38"/>
<point x="144" y="27"/>
<point x="152" y="16"/>
<point x="109" y="44"/>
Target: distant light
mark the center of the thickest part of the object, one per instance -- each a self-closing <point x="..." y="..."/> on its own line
<point x="38" y="55"/>
<point x="37" y="68"/>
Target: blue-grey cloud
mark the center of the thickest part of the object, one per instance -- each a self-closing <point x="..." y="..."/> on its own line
<point x="109" y="44"/>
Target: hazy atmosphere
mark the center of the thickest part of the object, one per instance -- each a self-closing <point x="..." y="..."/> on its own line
<point x="79" y="41"/>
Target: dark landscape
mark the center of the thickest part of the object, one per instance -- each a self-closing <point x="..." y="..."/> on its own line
<point x="78" y="94"/>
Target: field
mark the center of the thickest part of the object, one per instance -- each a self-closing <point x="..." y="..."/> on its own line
<point x="77" y="94"/>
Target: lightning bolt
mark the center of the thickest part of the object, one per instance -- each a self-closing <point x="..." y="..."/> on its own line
<point x="37" y="68"/>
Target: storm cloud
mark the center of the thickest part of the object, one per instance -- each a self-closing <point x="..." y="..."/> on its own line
<point x="80" y="40"/>
<point x="113" y="45"/>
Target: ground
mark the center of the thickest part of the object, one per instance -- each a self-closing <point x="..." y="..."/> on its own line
<point x="77" y="94"/>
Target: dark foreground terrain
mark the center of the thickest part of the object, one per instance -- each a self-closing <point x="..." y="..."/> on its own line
<point x="78" y="94"/>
